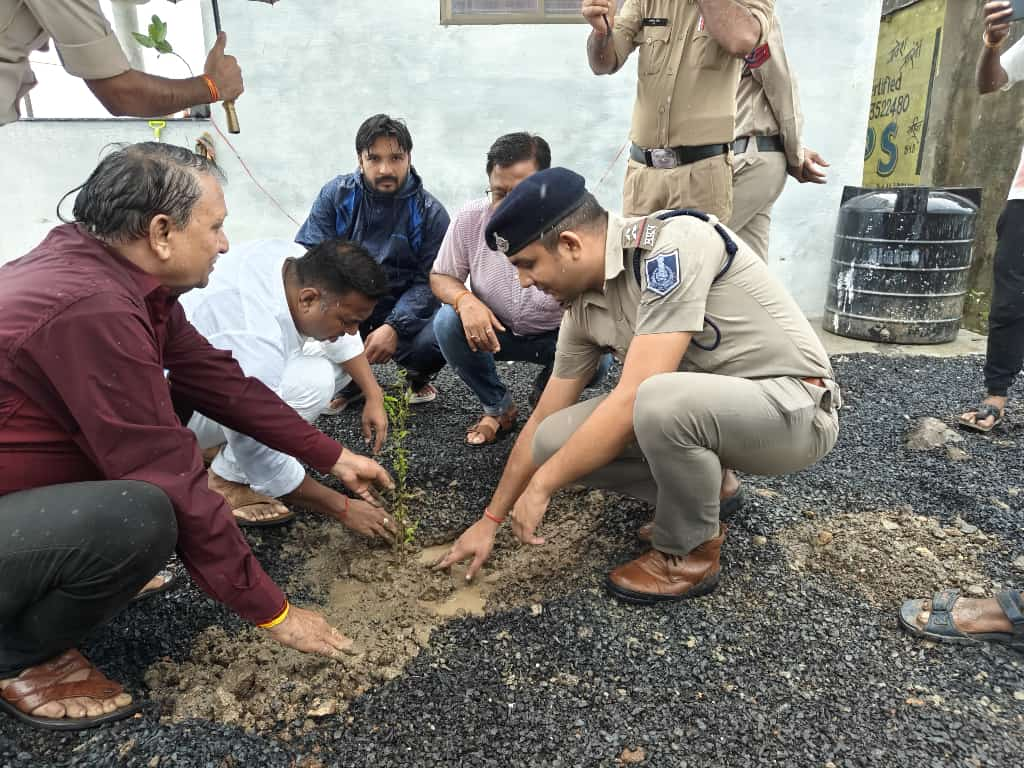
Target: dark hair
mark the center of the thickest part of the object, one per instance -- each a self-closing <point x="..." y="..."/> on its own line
<point x="514" y="148"/>
<point x="585" y="217"/>
<point x="377" y="126"/>
<point x="337" y="267"/>
<point x="137" y="182"/>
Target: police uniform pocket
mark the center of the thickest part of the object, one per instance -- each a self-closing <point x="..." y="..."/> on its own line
<point x="791" y="398"/>
<point x="711" y="186"/>
<point x="655" y="43"/>
<point x="707" y="52"/>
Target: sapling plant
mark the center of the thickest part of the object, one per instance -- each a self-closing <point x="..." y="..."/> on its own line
<point x="396" y="403"/>
<point x="157" y="40"/>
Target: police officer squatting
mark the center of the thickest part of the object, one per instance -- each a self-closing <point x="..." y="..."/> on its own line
<point x="721" y="371"/>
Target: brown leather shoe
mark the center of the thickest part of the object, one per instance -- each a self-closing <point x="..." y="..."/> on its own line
<point x="728" y="507"/>
<point x="655" y="577"/>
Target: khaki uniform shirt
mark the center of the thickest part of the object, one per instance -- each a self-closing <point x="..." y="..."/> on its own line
<point x="767" y="102"/>
<point x="764" y="334"/>
<point x="84" y="40"/>
<point x="686" y="89"/>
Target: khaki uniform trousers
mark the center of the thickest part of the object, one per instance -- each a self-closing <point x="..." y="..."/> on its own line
<point x="688" y="427"/>
<point x="756" y="185"/>
<point x="705" y="185"/>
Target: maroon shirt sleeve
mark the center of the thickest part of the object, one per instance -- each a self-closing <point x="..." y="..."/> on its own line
<point x="103" y="361"/>
<point x="212" y="382"/>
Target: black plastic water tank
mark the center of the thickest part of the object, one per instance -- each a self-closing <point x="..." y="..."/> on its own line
<point x="900" y="264"/>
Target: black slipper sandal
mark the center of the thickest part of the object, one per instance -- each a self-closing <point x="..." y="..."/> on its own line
<point x="940" y="625"/>
<point x="983" y="411"/>
<point x="171" y="581"/>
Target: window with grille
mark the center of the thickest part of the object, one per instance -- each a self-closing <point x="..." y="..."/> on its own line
<point x="512" y="11"/>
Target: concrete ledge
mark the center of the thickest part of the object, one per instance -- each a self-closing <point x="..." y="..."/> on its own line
<point x="966" y="343"/>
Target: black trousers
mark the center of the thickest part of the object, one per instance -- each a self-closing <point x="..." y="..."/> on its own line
<point x="71" y="557"/>
<point x="1006" y="317"/>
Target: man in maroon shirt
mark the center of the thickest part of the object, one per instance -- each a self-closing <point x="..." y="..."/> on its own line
<point x="98" y="477"/>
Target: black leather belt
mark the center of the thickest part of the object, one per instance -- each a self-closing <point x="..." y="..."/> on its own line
<point x="764" y="144"/>
<point x="672" y="157"/>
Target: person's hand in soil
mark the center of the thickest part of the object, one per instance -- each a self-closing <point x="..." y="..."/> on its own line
<point x="375" y="424"/>
<point x="361" y="474"/>
<point x="528" y="513"/>
<point x="480" y="325"/>
<point x="381" y="344"/>
<point x="309" y="632"/>
<point x="370" y="520"/>
<point x="476" y="542"/>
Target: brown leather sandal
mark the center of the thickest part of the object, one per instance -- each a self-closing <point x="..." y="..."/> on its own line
<point x="240" y="496"/>
<point x="44" y="683"/>
<point x="506" y="423"/>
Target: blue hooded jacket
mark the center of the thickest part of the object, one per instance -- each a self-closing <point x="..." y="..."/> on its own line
<point x="403" y="231"/>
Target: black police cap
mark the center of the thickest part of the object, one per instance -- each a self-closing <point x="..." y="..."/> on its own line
<point x="536" y="205"/>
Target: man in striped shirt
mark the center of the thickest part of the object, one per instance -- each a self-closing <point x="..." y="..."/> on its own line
<point x="495" y="318"/>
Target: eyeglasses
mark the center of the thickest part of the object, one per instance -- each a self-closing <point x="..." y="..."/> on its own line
<point x="495" y="195"/>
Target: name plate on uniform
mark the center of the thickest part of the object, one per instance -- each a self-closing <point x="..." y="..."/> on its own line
<point x="654" y="22"/>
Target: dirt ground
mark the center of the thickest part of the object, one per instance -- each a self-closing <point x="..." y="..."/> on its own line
<point x="388" y="604"/>
<point x="887" y="556"/>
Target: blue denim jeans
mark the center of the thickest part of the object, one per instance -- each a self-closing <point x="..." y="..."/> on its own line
<point x="477" y="369"/>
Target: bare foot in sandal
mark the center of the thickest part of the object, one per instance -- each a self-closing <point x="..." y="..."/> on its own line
<point x="40" y="694"/>
<point x="989" y="417"/>
<point x="249" y="507"/>
<point x="487" y="428"/>
<point x="947" y="617"/>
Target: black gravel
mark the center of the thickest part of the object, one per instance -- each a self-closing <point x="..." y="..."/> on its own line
<point x="775" y="669"/>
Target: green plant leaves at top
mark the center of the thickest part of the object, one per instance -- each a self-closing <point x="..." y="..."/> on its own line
<point x="157" y="37"/>
<point x="158" y="30"/>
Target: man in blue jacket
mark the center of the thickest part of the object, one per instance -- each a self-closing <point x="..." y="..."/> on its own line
<point x="384" y="207"/>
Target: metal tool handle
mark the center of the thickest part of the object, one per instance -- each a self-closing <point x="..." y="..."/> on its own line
<point x="229" y="110"/>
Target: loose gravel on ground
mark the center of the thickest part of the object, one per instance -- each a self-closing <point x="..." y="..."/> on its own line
<point x="796" y="660"/>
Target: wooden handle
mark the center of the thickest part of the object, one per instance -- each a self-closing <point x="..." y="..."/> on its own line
<point x="229" y="110"/>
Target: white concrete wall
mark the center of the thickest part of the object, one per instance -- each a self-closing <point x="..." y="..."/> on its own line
<point x="315" y="70"/>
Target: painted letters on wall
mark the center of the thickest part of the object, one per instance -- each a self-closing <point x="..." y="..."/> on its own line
<point x="909" y="45"/>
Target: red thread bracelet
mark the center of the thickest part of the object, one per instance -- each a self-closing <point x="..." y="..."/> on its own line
<point x="489" y="516"/>
<point x="212" y="86"/>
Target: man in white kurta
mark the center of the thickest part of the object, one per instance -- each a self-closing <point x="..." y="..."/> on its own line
<point x="246" y="310"/>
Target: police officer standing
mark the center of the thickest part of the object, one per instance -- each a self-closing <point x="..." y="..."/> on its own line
<point x="768" y="143"/>
<point x="720" y="369"/>
<point x="685" y="110"/>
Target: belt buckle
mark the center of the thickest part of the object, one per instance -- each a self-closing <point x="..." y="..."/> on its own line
<point x="664" y="158"/>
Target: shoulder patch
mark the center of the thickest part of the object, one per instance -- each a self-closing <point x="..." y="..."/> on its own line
<point x="662" y="272"/>
<point x="642" y="234"/>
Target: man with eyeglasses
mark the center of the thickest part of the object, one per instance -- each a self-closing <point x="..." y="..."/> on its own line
<point x="495" y="318"/>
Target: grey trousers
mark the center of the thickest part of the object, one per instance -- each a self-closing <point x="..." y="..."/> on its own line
<point x="688" y="427"/>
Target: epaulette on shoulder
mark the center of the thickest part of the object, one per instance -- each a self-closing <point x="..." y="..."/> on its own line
<point x="642" y="234"/>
